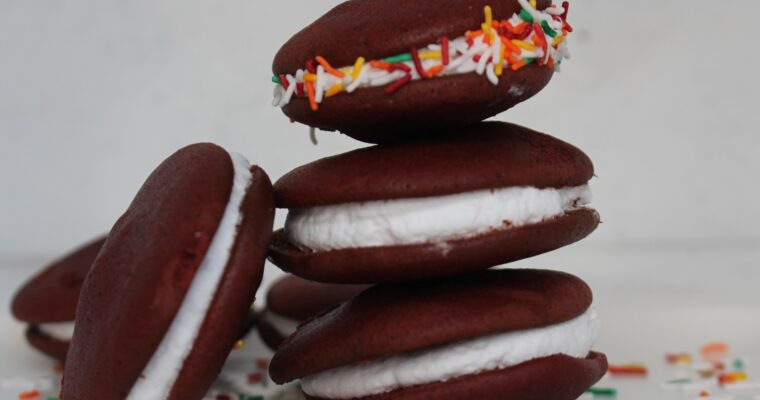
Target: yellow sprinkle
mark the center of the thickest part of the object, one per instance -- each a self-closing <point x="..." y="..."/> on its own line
<point x="524" y="45"/>
<point x="430" y="55"/>
<point x="499" y="67"/>
<point x="309" y="77"/>
<point x="334" y="89"/>
<point x="558" y="40"/>
<point x="346" y="71"/>
<point x="533" y="3"/>
<point x="358" y="68"/>
<point x="239" y="345"/>
<point x="488" y="25"/>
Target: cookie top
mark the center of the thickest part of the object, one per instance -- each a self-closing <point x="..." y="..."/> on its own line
<point x="300" y="299"/>
<point x="489" y="155"/>
<point x="52" y="295"/>
<point x="148" y="265"/>
<point x="382" y="28"/>
<point x="393" y="319"/>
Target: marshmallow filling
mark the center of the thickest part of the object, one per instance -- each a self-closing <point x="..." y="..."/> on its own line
<point x="162" y="370"/>
<point x="61" y="331"/>
<point x="429" y="219"/>
<point x="573" y="338"/>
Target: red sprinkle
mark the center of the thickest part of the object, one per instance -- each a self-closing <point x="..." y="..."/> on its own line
<point x="311" y="67"/>
<point x="395" y="86"/>
<point x="262" y="363"/>
<point x="254" y="377"/>
<point x="284" y="82"/>
<point x="299" y="89"/>
<point x="542" y="36"/>
<point x="418" y="63"/>
<point x="399" y="67"/>
<point x="445" y="50"/>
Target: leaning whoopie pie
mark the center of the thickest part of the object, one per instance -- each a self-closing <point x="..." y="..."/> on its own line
<point x="48" y="302"/>
<point x="493" y="194"/>
<point x="292" y="300"/>
<point x="171" y="289"/>
<point x="379" y="70"/>
<point x="501" y="334"/>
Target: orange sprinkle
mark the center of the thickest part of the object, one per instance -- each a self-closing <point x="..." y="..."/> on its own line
<point x="435" y="70"/>
<point x="380" y="65"/>
<point x="29" y="395"/>
<point x="312" y="96"/>
<point x="329" y="68"/>
<point x="495" y="24"/>
<point x="538" y="41"/>
<point x="704" y="393"/>
<point x="550" y="64"/>
<point x="511" y="46"/>
<point x="473" y="34"/>
<point x="518" y="65"/>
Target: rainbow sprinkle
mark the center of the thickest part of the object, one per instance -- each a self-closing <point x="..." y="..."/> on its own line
<point x="531" y="36"/>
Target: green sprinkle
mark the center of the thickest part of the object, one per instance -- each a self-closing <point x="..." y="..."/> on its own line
<point x="530" y="60"/>
<point x="739" y="365"/>
<point x="548" y="30"/>
<point x="525" y="15"/>
<point x="602" y="391"/>
<point x="399" y="58"/>
<point x="246" y="397"/>
<point x="679" y="381"/>
<point x="276" y="79"/>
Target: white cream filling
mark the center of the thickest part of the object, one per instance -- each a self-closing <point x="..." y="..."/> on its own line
<point x="164" y="367"/>
<point x="428" y="219"/>
<point x="62" y="331"/>
<point x="283" y="325"/>
<point x="574" y="338"/>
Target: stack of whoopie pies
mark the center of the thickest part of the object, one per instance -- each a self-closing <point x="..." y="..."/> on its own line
<point x="441" y="199"/>
<point x="393" y="295"/>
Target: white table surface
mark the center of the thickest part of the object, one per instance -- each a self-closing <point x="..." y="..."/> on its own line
<point x="652" y="300"/>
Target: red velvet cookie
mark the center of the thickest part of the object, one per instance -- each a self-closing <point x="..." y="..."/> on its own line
<point x="429" y="208"/>
<point x="292" y="300"/>
<point x="170" y="291"/>
<point x="48" y="302"/>
<point x="522" y="334"/>
<point x="387" y="70"/>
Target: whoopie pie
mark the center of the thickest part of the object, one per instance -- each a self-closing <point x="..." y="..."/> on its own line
<point x="493" y="194"/>
<point x="379" y="70"/>
<point x="169" y="293"/>
<point x="292" y="300"/>
<point x="499" y="334"/>
<point x="48" y="302"/>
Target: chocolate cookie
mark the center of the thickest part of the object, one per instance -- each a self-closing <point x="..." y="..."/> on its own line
<point x="387" y="70"/>
<point x="429" y="208"/>
<point x="497" y="334"/>
<point x="48" y="302"/>
<point x="292" y="300"/>
<point x="170" y="291"/>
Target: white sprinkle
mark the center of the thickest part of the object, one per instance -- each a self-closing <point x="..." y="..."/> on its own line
<point x="320" y="85"/>
<point x="355" y="84"/>
<point x="491" y="74"/>
<point x="483" y="62"/>
<point x="291" y="90"/>
<point x="313" y="135"/>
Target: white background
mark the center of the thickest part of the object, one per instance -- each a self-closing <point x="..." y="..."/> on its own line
<point x="662" y="95"/>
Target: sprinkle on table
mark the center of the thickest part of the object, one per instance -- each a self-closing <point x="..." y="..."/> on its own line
<point x="30" y="395"/>
<point x="628" y="369"/>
